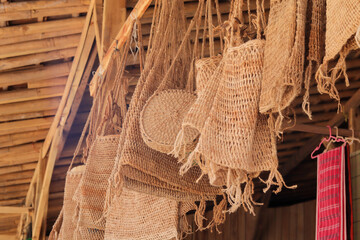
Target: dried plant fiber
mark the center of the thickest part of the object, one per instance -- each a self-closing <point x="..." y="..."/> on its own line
<point x="236" y="144"/>
<point x="342" y="22"/>
<point x="72" y="181"/>
<point x="208" y="73"/>
<point x="316" y="46"/>
<point x="94" y="182"/>
<point x="284" y="55"/>
<point x="161" y="118"/>
<point x="139" y="216"/>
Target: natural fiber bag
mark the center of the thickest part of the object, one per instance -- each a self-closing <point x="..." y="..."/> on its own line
<point x="209" y="72"/>
<point x="94" y="182"/>
<point x="139" y="216"/>
<point x="284" y="55"/>
<point x="236" y="144"/>
<point x="316" y="46"/>
<point x="161" y="118"/>
<point x="342" y="22"/>
<point x="205" y="68"/>
<point x="72" y="181"/>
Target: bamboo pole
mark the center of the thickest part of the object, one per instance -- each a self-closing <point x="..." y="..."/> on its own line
<point x="322" y="130"/>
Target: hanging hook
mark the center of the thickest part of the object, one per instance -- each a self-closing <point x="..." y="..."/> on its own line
<point x="335" y="139"/>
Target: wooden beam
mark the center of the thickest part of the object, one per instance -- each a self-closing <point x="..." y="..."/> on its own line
<point x="34" y="5"/>
<point x="41" y="28"/>
<point x="17" y="210"/>
<point x="21" y="116"/>
<point x="309" y="146"/>
<point x="322" y="130"/>
<point x="18" y="168"/>
<point x="37" y="58"/>
<point x="113" y="18"/>
<point x="40" y="13"/>
<point x="15" y="182"/>
<point x="7" y="237"/>
<point x="30" y="94"/>
<point x="39" y="46"/>
<point x="29" y="106"/>
<point x="35" y="74"/>
<point x="59" y="81"/>
<point x="82" y="53"/>
<point x="25" y="126"/>
<point x="22" y="138"/>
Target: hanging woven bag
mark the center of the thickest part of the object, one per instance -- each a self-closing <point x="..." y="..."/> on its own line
<point x="342" y="22"/>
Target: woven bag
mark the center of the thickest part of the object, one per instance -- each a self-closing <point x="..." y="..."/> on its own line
<point x="72" y="181"/>
<point x="342" y="22"/>
<point x="316" y="46"/>
<point x="236" y="144"/>
<point x="161" y="118"/>
<point x="284" y="55"/>
<point x="94" y="182"/>
<point x="205" y="68"/>
<point x="139" y="216"/>
<point x="208" y="73"/>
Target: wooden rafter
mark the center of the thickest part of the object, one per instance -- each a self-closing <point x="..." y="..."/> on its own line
<point x="309" y="146"/>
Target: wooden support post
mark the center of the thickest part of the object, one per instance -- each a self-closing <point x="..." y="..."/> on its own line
<point x="119" y="40"/>
<point x="113" y="18"/>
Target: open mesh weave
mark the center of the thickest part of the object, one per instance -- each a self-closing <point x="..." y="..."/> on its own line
<point x="139" y="216"/>
<point x="284" y="55"/>
<point x="94" y="182"/>
<point x="236" y="144"/>
<point x="342" y="22"/>
<point x="195" y="117"/>
<point x="161" y="118"/>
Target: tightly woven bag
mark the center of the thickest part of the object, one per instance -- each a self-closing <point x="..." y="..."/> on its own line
<point x="236" y="144"/>
<point x="94" y="182"/>
<point x="342" y="22"/>
<point x="139" y="216"/>
<point x="284" y="55"/>
<point x="161" y="118"/>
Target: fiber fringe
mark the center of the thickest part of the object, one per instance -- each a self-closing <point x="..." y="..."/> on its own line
<point x="239" y="185"/>
<point x="326" y="79"/>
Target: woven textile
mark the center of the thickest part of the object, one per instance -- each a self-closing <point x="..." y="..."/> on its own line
<point x="205" y="68"/>
<point x="236" y="144"/>
<point x="72" y="181"/>
<point x="330" y="197"/>
<point x="94" y="182"/>
<point x="284" y="54"/>
<point x="316" y="46"/>
<point x="166" y="67"/>
<point x="139" y="216"/>
<point x="161" y="118"/>
<point x="342" y="22"/>
<point x="207" y="74"/>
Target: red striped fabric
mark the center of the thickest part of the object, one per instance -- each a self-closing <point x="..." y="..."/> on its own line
<point x="331" y="196"/>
